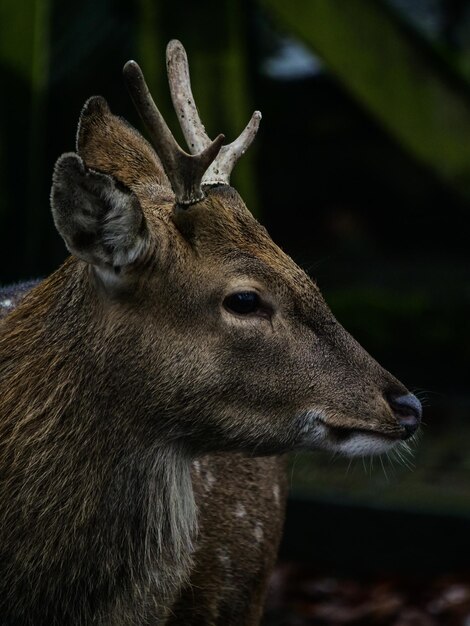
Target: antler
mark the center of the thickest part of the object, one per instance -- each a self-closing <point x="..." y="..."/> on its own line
<point x="184" y="171"/>
<point x="193" y="129"/>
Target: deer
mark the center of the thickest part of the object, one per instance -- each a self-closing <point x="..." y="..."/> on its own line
<point x="151" y="387"/>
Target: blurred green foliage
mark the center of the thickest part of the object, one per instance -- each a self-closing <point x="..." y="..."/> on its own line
<point x="395" y="73"/>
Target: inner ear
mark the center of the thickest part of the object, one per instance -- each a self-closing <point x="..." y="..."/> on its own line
<point x="99" y="218"/>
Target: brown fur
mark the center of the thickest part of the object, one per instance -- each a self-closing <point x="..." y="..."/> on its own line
<point x="237" y="542"/>
<point x="116" y="380"/>
<point x="228" y="580"/>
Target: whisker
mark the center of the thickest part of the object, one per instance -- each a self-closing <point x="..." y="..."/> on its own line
<point x="392" y="462"/>
<point x="333" y="456"/>
<point x="383" y="468"/>
<point x="399" y="454"/>
<point x="296" y="456"/>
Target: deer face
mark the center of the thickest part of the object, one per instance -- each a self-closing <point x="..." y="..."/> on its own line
<point x="266" y="365"/>
<point x="233" y="337"/>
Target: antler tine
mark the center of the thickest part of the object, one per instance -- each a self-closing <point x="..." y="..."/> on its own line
<point x="183" y="99"/>
<point x="220" y="169"/>
<point x="184" y="171"/>
<point x="190" y="122"/>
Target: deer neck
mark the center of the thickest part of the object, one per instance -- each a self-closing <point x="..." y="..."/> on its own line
<point x="73" y="452"/>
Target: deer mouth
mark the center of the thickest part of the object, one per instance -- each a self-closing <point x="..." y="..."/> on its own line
<point x="343" y="433"/>
<point x="350" y="441"/>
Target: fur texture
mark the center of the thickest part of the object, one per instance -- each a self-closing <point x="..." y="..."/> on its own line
<point x="240" y="504"/>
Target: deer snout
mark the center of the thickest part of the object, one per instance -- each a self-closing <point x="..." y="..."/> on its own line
<point x="408" y="411"/>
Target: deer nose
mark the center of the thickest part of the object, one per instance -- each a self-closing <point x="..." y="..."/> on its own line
<point x="408" y="411"/>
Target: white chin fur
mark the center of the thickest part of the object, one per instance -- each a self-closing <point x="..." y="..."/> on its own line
<point x="363" y="444"/>
<point x="315" y="434"/>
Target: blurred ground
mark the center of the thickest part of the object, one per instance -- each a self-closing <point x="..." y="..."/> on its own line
<point x="301" y="596"/>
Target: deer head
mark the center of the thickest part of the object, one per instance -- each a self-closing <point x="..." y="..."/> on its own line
<point x="229" y="343"/>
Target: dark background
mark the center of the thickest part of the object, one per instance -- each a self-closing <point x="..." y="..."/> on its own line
<point x="361" y="171"/>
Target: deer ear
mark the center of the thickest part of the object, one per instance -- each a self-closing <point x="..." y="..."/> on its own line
<point x="101" y="136"/>
<point x="100" y="219"/>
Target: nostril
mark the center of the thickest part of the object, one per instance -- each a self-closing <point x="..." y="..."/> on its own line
<point x="408" y="411"/>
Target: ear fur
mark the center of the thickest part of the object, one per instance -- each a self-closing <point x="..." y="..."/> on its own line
<point x="100" y="220"/>
<point x="109" y="144"/>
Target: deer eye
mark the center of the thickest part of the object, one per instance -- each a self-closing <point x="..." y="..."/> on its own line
<point x="243" y="302"/>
